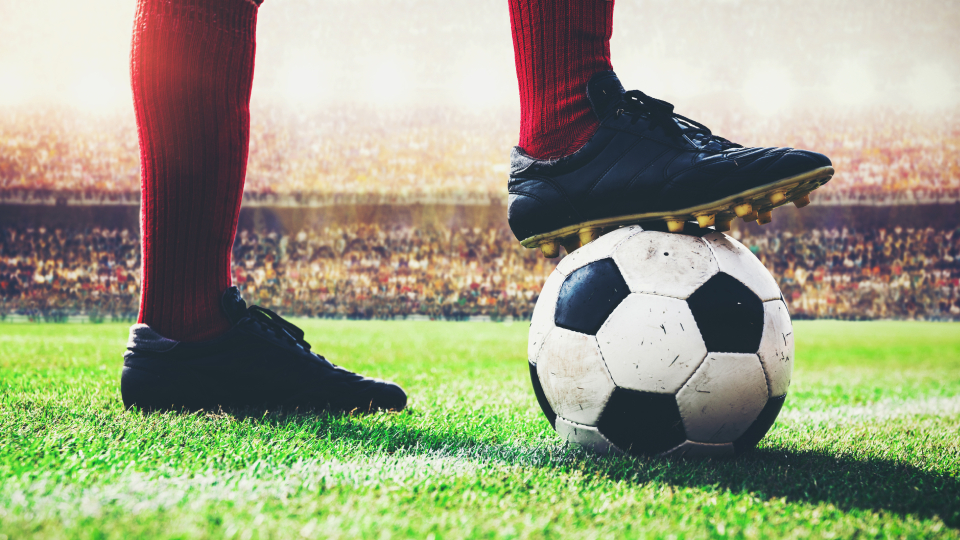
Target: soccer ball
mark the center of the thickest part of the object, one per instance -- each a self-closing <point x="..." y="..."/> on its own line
<point x="657" y="343"/>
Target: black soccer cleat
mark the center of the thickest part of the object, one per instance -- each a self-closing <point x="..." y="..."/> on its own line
<point x="647" y="163"/>
<point x="261" y="362"/>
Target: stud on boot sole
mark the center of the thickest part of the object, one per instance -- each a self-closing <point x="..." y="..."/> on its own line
<point x="793" y="189"/>
<point x="675" y="225"/>
<point x="589" y="235"/>
<point x="570" y="244"/>
<point x="550" y="250"/>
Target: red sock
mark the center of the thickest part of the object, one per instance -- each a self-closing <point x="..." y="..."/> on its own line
<point x="558" y="46"/>
<point x="191" y="71"/>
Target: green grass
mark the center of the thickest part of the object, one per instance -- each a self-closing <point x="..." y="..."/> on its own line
<point x="867" y="446"/>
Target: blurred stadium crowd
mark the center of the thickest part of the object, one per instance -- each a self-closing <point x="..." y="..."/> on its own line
<point x="877" y="124"/>
<point x="353" y="155"/>
<point x="374" y="272"/>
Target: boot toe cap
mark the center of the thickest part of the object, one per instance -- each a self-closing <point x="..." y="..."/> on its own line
<point x="378" y="395"/>
<point x="794" y="162"/>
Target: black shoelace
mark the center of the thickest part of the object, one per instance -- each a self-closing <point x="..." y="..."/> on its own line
<point x="660" y="113"/>
<point x="280" y="327"/>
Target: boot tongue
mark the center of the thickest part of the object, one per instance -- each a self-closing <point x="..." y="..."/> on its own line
<point x="604" y="92"/>
<point x="233" y="305"/>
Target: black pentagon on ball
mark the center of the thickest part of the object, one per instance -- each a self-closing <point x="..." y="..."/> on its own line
<point x="728" y="314"/>
<point x="642" y="423"/>
<point x="589" y="295"/>
<point x="760" y="426"/>
<point x="541" y="397"/>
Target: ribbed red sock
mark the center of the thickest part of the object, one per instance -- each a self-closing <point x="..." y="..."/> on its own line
<point x="558" y="46"/>
<point x="191" y="71"/>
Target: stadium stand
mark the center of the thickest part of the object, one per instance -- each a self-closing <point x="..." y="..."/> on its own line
<point x="369" y="271"/>
<point x="896" y="191"/>
<point x="355" y="156"/>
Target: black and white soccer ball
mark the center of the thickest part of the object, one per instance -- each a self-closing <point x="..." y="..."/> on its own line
<point x="650" y="342"/>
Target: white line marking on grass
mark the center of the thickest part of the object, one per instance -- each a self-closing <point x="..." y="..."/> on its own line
<point x="880" y="410"/>
<point x="136" y="492"/>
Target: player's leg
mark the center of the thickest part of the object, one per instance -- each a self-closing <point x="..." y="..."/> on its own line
<point x="197" y="345"/>
<point x="558" y="46"/>
<point x="191" y="71"/>
<point x="593" y="157"/>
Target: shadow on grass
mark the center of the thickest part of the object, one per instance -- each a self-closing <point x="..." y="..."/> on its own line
<point x="846" y="482"/>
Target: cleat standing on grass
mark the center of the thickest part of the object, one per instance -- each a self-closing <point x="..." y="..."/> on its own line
<point x="647" y="163"/>
<point x="262" y="362"/>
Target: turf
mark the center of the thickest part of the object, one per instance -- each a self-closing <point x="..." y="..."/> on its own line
<point x="867" y="446"/>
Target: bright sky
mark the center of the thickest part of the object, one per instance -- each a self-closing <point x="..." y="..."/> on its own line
<point x="763" y="55"/>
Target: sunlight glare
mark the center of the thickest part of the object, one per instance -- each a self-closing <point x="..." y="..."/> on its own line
<point x="389" y="83"/>
<point x="484" y="86"/>
<point x="853" y="85"/>
<point x="14" y="90"/>
<point x="769" y="91"/>
<point x="932" y="87"/>
<point x="303" y="85"/>
<point x="96" y="92"/>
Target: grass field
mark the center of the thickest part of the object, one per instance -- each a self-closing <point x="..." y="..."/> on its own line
<point x="868" y="445"/>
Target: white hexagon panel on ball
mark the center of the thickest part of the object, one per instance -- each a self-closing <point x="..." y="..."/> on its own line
<point x="736" y="260"/>
<point x="776" y="347"/>
<point x="665" y="264"/>
<point x="586" y="436"/>
<point x="600" y="248"/>
<point x="573" y="376"/>
<point x="541" y="323"/>
<point x="723" y="397"/>
<point x="651" y="343"/>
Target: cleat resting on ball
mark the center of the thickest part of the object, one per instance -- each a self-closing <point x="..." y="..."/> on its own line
<point x="648" y="163"/>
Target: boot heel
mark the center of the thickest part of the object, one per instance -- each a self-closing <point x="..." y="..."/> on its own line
<point x="147" y="391"/>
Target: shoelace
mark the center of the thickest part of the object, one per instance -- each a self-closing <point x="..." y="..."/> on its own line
<point x="280" y="327"/>
<point x="660" y="113"/>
